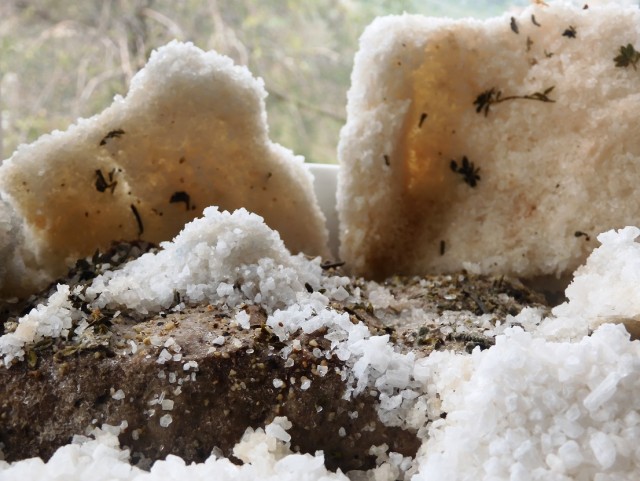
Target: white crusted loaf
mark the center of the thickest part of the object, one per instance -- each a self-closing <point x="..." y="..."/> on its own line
<point x="544" y="116"/>
<point x="190" y="133"/>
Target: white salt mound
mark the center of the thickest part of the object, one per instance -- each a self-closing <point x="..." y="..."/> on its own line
<point x="190" y="133"/>
<point x="531" y="409"/>
<point x="534" y="102"/>
<point x="607" y="287"/>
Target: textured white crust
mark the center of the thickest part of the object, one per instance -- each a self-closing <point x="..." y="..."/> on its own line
<point x="192" y="122"/>
<point x="549" y="171"/>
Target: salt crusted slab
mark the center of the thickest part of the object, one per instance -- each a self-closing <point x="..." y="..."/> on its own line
<point x="507" y="143"/>
<point x="190" y="133"/>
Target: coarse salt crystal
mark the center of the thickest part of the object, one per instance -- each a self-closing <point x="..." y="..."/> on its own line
<point x="165" y="420"/>
<point x="278" y="383"/>
<point x="117" y="395"/>
<point x="603" y="449"/>
<point x="242" y="318"/>
<point x="305" y="384"/>
<point x="277" y="429"/>
<point x="342" y="432"/>
<point x="163" y="357"/>
<point x="190" y="365"/>
<point x="167" y="405"/>
<point x="218" y="341"/>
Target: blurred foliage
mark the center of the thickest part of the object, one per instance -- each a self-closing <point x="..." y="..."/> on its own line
<point x="60" y="59"/>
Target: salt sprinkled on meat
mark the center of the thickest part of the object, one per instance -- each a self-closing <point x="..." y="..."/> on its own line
<point x="534" y="404"/>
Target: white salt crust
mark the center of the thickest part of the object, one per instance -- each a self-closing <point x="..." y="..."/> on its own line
<point x="191" y="132"/>
<point x="552" y="175"/>
<point x="562" y="405"/>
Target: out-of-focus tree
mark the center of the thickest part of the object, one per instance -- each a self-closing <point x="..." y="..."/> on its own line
<point x="60" y="60"/>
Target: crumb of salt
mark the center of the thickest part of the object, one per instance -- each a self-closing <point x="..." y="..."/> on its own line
<point x="117" y="395"/>
<point x="165" y="420"/>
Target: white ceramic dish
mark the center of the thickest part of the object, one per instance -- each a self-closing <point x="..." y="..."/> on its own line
<point x="325" y="183"/>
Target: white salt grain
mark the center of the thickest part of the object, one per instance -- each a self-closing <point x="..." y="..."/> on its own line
<point x="118" y="395"/>
<point x="278" y="383"/>
<point x="242" y="318"/>
<point x="167" y="405"/>
<point x="165" y="420"/>
<point x="163" y="357"/>
<point x="603" y="449"/>
<point x="278" y="427"/>
<point x="190" y="365"/>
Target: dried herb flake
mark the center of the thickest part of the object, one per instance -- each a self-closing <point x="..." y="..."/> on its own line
<point x="138" y="219"/>
<point x="514" y="25"/>
<point x="102" y="184"/>
<point x="423" y="117"/>
<point x="493" y="96"/>
<point x="579" y="233"/>
<point x="111" y="135"/>
<point x="628" y="56"/>
<point x="570" y="32"/>
<point x="534" y="21"/>
<point x="469" y="172"/>
<point x="181" y="197"/>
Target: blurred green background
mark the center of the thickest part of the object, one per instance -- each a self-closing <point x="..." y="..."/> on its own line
<point x="64" y="59"/>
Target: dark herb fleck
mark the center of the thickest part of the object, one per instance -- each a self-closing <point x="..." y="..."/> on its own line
<point x="570" y="32"/>
<point x="514" y="25"/>
<point x="101" y="182"/>
<point x="579" y="233"/>
<point x="443" y="246"/>
<point x="112" y="134"/>
<point x="585" y="7"/>
<point x="628" y="56"/>
<point x="181" y="197"/>
<point x="387" y="162"/>
<point x="330" y="264"/>
<point x="469" y="172"/>
<point x="534" y="21"/>
<point x="308" y="287"/>
<point x="138" y="219"/>
<point x="423" y="117"/>
<point x="493" y="96"/>
<point x="529" y="43"/>
<point x="548" y="54"/>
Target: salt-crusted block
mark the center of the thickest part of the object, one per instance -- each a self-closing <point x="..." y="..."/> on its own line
<point x="503" y="146"/>
<point x="190" y="133"/>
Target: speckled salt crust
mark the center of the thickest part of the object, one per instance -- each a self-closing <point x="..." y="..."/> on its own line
<point x="191" y="132"/>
